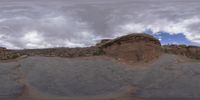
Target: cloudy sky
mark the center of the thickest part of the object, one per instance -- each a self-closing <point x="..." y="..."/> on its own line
<point x="79" y="23"/>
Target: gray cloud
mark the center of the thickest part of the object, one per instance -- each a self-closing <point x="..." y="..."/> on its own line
<point x="72" y="23"/>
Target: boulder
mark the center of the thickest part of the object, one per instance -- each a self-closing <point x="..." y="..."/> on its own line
<point x="133" y="47"/>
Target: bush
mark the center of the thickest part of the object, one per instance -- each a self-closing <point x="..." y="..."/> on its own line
<point x="14" y="56"/>
<point x="98" y="53"/>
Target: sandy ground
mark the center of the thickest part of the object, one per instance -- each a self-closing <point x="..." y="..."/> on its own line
<point x="99" y="78"/>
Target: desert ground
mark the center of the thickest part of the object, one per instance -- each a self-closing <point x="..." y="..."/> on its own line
<point x="170" y="77"/>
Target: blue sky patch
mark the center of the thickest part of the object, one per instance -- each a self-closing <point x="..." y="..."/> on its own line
<point x="167" y="38"/>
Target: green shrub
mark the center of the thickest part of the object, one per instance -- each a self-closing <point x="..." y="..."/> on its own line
<point x="98" y="53"/>
<point x="14" y="56"/>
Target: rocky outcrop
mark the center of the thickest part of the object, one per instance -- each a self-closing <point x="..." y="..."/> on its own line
<point x="189" y="51"/>
<point x="6" y="54"/>
<point x="132" y="47"/>
<point x="2" y="53"/>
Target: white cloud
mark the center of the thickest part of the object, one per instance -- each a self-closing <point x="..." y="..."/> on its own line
<point x="32" y="37"/>
<point x="2" y="20"/>
<point x="5" y="43"/>
<point x="50" y="23"/>
<point x="72" y="44"/>
<point x="166" y="26"/>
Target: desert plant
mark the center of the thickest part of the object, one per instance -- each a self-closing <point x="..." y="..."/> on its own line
<point x="14" y="56"/>
<point x="99" y="52"/>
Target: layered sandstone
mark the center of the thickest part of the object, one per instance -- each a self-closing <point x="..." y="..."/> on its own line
<point x="132" y="47"/>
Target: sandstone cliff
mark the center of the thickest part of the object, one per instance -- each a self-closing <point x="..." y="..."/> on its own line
<point x="132" y="47"/>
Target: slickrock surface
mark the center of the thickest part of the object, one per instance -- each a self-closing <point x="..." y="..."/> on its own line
<point x="9" y="80"/>
<point x="168" y="77"/>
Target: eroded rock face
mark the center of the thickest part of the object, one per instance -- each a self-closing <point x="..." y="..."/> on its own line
<point x="133" y="47"/>
<point x="189" y="51"/>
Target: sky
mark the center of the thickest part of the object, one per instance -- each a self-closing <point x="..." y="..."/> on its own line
<point x="81" y="23"/>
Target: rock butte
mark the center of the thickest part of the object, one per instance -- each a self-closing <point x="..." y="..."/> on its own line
<point x="132" y="47"/>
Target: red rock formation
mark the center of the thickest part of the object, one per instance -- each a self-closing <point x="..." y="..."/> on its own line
<point x="133" y="48"/>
